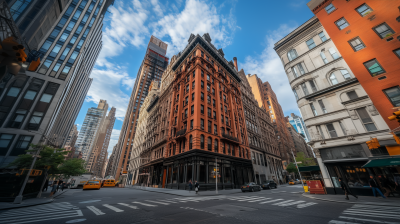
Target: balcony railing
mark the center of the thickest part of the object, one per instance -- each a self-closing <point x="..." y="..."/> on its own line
<point x="181" y="132"/>
<point x="230" y="137"/>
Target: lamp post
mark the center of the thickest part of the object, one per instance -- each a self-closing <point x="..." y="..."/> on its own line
<point x="298" y="169"/>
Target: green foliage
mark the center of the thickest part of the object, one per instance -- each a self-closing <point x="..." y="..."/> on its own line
<point x="291" y="168"/>
<point x="72" y="167"/>
<point x="51" y="158"/>
<point x="300" y="157"/>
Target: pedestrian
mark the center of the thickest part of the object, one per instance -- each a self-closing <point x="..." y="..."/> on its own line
<point x="385" y="185"/>
<point x="46" y="185"/>
<point x="346" y="189"/>
<point x="53" y="188"/>
<point x="196" y="186"/>
<point x="374" y="186"/>
<point x="190" y="185"/>
<point x="60" y="185"/>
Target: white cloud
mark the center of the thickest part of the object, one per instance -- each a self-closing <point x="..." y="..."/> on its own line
<point x="106" y="85"/>
<point x="157" y="7"/>
<point x="268" y="67"/>
<point x="197" y="17"/>
<point x="113" y="140"/>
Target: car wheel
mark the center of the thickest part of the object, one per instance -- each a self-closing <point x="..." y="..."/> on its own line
<point x="252" y="189"/>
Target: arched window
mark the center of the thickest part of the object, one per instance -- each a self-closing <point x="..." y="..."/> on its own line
<point x="333" y="79"/>
<point x="345" y="74"/>
<point x="292" y="54"/>
<point x="190" y="142"/>
<point x="202" y="141"/>
<point x="216" y="145"/>
<point x="209" y="142"/>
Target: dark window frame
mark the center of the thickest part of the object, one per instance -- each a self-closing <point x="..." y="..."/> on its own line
<point x="384" y="23"/>
<point x="398" y="87"/>
<point x="330" y="11"/>
<point x="360" y="7"/>
<point x="378" y="64"/>
<point x="354" y="49"/>
<point x="394" y="51"/>
<point x="339" y="26"/>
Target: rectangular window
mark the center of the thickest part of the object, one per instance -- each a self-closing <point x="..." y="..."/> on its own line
<point x="202" y="109"/>
<point x="343" y="128"/>
<point x="202" y="124"/>
<point x="383" y="30"/>
<point x="310" y="43"/>
<point x="334" y="54"/>
<point x="209" y="126"/>
<point x="331" y="130"/>
<point x="330" y="8"/>
<point x="321" y="104"/>
<point x="202" y="84"/>
<point x="342" y="23"/>
<point x="323" y="57"/>
<point x="313" y="109"/>
<point x="209" y="112"/>
<point x="322" y="36"/>
<point x="313" y="87"/>
<point x="364" y="10"/>
<point x="374" y="68"/>
<point x="304" y="87"/>
<point x="397" y="52"/>
<point x="345" y="74"/>
<point x="193" y="84"/>
<point x="191" y="124"/>
<point x="55" y="69"/>
<point x="295" y="73"/>
<point x="192" y="110"/>
<point x="202" y="96"/>
<point x="215" y="129"/>
<point x="5" y="142"/>
<point x="70" y="26"/>
<point x="320" y="131"/>
<point x="55" y="33"/>
<point x="394" y="95"/>
<point x="352" y="95"/>
<point x="55" y="50"/>
<point x="22" y="145"/>
<point x="192" y="96"/>
<point x="45" y="66"/>
<point x="77" y="14"/>
<point x="65" y="53"/>
<point x="295" y="94"/>
<point x="356" y="44"/>
<point x="64" y="72"/>
<point x="366" y="119"/>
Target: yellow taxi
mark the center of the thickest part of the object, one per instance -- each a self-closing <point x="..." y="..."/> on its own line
<point x="109" y="183"/>
<point x="92" y="184"/>
<point x="292" y="182"/>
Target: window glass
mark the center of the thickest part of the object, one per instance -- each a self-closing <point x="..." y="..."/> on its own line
<point x="330" y="8"/>
<point x="83" y="4"/>
<point x="79" y="29"/>
<point x="70" y="26"/>
<point x="91" y="7"/>
<point x="92" y="21"/>
<point x="45" y="66"/>
<point x="55" y="33"/>
<point x="313" y="87"/>
<point x="366" y="119"/>
<point x="5" y="141"/>
<point x="331" y="130"/>
<point x="310" y="43"/>
<point x="86" y="32"/>
<point x="295" y="73"/>
<point x="13" y="92"/>
<point x="333" y="79"/>
<point x="73" y="39"/>
<point x="55" y="50"/>
<point x="69" y="10"/>
<point x="323" y="57"/>
<point x="64" y="37"/>
<point x="334" y="54"/>
<point x="345" y="74"/>
<point x="55" y="69"/>
<point x="397" y="52"/>
<point x="356" y="44"/>
<point x="394" y="95"/>
<point x="313" y="109"/>
<point x="304" y="87"/>
<point x="321" y="104"/>
<point x="45" y="46"/>
<point x="383" y="30"/>
<point x="364" y="10"/>
<point x="322" y="36"/>
<point x="295" y="94"/>
<point x="46" y="98"/>
<point x="301" y="69"/>
<point x="341" y="24"/>
<point x="64" y="73"/>
<point x="62" y="22"/>
<point x="85" y="18"/>
<point x="374" y="67"/>
<point x="352" y="95"/>
<point x="292" y="54"/>
<point x="22" y="145"/>
<point x="77" y="14"/>
<point x="65" y="53"/>
<point x="18" y="8"/>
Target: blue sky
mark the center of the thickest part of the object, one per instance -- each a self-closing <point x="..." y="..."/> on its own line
<point x="244" y="29"/>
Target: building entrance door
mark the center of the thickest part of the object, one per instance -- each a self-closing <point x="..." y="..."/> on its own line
<point x="163" y="178"/>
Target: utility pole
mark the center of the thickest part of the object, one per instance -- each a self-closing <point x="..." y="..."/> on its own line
<point x="216" y="176"/>
<point x="301" y="179"/>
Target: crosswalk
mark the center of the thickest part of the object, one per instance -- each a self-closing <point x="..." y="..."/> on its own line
<point x="361" y="213"/>
<point x="40" y="213"/>
<point x="272" y="201"/>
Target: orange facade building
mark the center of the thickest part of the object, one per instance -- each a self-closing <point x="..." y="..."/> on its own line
<point x="367" y="36"/>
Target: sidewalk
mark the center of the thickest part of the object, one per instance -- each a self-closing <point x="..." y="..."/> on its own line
<point x="32" y="201"/>
<point x="186" y="193"/>
<point x="365" y="200"/>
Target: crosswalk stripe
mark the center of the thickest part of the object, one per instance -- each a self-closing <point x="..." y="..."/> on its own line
<point x="127" y="205"/>
<point x="340" y="222"/>
<point x="283" y="202"/>
<point x="41" y="209"/>
<point x="248" y="199"/>
<point x="306" y="204"/>
<point x="262" y="199"/>
<point x="95" y="210"/>
<point x="169" y="201"/>
<point x="292" y="203"/>
<point x="371" y="211"/>
<point x="113" y="208"/>
<point x="376" y="208"/>
<point x="163" y="203"/>
<point x="144" y="204"/>
<point x="366" y="220"/>
<point x="270" y="201"/>
<point x="58" y="217"/>
<point x="37" y="214"/>
<point x="371" y="214"/>
<point x="36" y="211"/>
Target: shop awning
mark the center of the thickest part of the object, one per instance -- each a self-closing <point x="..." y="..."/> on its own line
<point x="308" y="168"/>
<point x="383" y="162"/>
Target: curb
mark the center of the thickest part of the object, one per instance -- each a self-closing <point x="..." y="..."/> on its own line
<point x="28" y="205"/>
<point x="349" y="202"/>
<point x="62" y="192"/>
<point x="198" y="195"/>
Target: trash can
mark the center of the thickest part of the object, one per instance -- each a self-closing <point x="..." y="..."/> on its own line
<point x="305" y="188"/>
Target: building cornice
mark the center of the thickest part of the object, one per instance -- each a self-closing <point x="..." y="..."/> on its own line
<point x="331" y="88"/>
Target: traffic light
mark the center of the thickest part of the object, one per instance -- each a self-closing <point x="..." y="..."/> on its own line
<point x="373" y="144"/>
<point x="395" y="116"/>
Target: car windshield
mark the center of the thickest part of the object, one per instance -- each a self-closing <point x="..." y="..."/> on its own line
<point x="93" y="182"/>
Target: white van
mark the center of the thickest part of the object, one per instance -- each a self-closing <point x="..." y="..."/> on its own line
<point x="79" y="181"/>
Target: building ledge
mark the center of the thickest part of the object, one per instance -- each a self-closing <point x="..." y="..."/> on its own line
<point x="355" y="100"/>
<point x="332" y="88"/>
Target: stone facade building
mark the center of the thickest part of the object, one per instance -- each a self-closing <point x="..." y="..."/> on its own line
<point x="338" y="113"/>
<point x="300" y="144"/>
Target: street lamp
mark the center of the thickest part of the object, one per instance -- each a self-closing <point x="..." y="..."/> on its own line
<point x="298" y="171"/>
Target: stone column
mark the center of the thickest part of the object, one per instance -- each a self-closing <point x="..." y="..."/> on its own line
<point x="324" y="172"/>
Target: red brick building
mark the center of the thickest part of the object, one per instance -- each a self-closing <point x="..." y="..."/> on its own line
<point x="367" y="36"/>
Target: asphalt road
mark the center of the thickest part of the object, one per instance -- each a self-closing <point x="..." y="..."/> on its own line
<point x="125" y="205"/>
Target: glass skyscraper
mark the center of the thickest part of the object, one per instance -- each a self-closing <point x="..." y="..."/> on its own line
<point x="298" y="123"/>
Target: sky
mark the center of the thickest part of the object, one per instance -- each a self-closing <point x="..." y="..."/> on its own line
<point x="246" y="29"/>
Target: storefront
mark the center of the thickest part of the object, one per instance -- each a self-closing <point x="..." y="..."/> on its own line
<point x="208" y="168"/>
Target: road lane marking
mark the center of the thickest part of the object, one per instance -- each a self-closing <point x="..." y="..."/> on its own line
<point x="283" y="202"/>
<point x="163" y="203"/>
<point x="113" y="208"/>
<point x="140" y="203"/>
<point x="306" y="204"/>
<point x="95" y="210"/>
<point x="127" y="205"/>
<point x="36" y="220"/>
<point x="340" y="222"/>
<point x="292" y="203"/>
<point x="366" y="220"/>
<point x="270" y="201"/>
<point x="262" y="199"/>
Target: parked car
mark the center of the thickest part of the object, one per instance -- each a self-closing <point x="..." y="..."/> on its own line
<point x="250" y="187"/>
<point x="92" y="184"/>
<point x="292" y="182"/>
<point x="269" y="184"/>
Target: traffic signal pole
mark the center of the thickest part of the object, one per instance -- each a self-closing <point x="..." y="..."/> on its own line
<point x="298" y="169"/>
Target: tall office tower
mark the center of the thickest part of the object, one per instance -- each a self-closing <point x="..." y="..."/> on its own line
<point x="99" y="154"/>
<point x="266" y="98"/>
<point x="110" y="162"/>
<point x="298" y="123"/>
<point x="41" y="104"/>
<point x="70" y="143"/>
<point x="89" y="132"/>
<point x="152" y="68"/>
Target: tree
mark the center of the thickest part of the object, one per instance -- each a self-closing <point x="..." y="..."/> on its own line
<point x="300" y="157"/>
<point x="72" y="167"/>
<point x="291" y="168"/>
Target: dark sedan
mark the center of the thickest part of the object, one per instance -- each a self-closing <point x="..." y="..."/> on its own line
<point x="250" y="187"/>
<point x="269" y="184"/>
